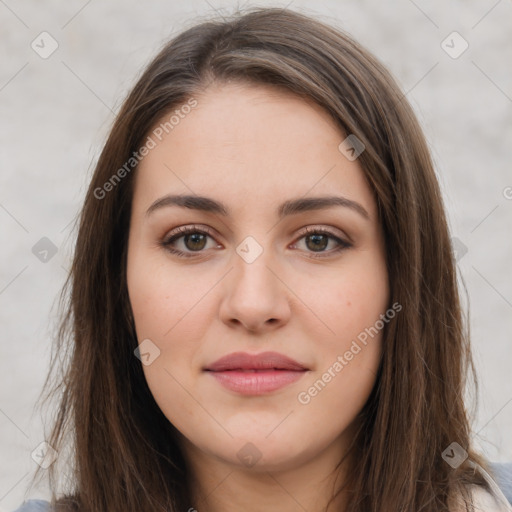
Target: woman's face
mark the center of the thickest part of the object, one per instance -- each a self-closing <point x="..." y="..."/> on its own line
<point x="249" y="279"/>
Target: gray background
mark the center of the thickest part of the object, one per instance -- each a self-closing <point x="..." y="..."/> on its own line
<point x="56" y="112"/>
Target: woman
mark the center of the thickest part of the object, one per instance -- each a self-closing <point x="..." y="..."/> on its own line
<point x="263" y="302"/>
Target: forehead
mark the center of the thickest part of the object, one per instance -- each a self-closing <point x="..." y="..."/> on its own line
<point x="246" y="143"/>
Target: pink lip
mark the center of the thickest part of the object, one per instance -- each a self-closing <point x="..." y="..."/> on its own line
<point x="255" y="374"/>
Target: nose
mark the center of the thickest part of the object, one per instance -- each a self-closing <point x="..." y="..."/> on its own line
<point x="255" y="298"/>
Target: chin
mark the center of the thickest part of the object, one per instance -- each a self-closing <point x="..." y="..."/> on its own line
<point x="259" y="454"/>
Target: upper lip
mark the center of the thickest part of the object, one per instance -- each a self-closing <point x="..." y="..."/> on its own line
<point x="262" y="361"/>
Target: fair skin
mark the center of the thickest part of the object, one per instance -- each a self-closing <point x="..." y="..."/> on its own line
<point x="253" y="148"/>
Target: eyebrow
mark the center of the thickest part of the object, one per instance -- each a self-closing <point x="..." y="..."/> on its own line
<point x="290" y="207"/>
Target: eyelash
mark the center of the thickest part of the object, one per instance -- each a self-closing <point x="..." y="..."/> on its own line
<point x="187" y="230"/>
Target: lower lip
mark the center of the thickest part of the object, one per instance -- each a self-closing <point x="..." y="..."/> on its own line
<point x="256" y="383"/>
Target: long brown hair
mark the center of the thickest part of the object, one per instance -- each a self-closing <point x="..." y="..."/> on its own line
<point x="122" y="451"/>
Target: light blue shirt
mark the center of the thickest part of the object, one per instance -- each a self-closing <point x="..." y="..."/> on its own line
<point x="34" y="506"/>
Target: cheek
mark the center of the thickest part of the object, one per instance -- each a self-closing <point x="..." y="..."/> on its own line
<point x="353" y="301"/>
<point x="348" y="360"/>
<point x="163" y="298"/>
<point x="172" y="316"/>
<point x="352" y="307"/>
<point x="170" y="309"/>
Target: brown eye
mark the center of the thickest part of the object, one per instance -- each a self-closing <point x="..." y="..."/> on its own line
<point x="318" y="242"/>
<point x="187" y="240"/>
<point x="195" y="241"/>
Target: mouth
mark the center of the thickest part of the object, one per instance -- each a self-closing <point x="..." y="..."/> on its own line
<point x="255" y="374"/>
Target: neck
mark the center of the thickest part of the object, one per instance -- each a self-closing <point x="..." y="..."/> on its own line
<point x="220" y="486"/>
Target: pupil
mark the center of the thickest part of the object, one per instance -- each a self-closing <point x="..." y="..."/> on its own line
<point x="317" y="242"/>
<point x="196" y="238"/>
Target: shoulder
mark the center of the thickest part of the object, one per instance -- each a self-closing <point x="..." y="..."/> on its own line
<point x="502" y="472"/>
<point x="494" y="497"/>
<point x="485" y="501"/>
<point x="34" y="506"/>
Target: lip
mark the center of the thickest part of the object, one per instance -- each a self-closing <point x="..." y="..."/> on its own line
<point x="255" y="374"/>
<point x="261" y="361"/>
